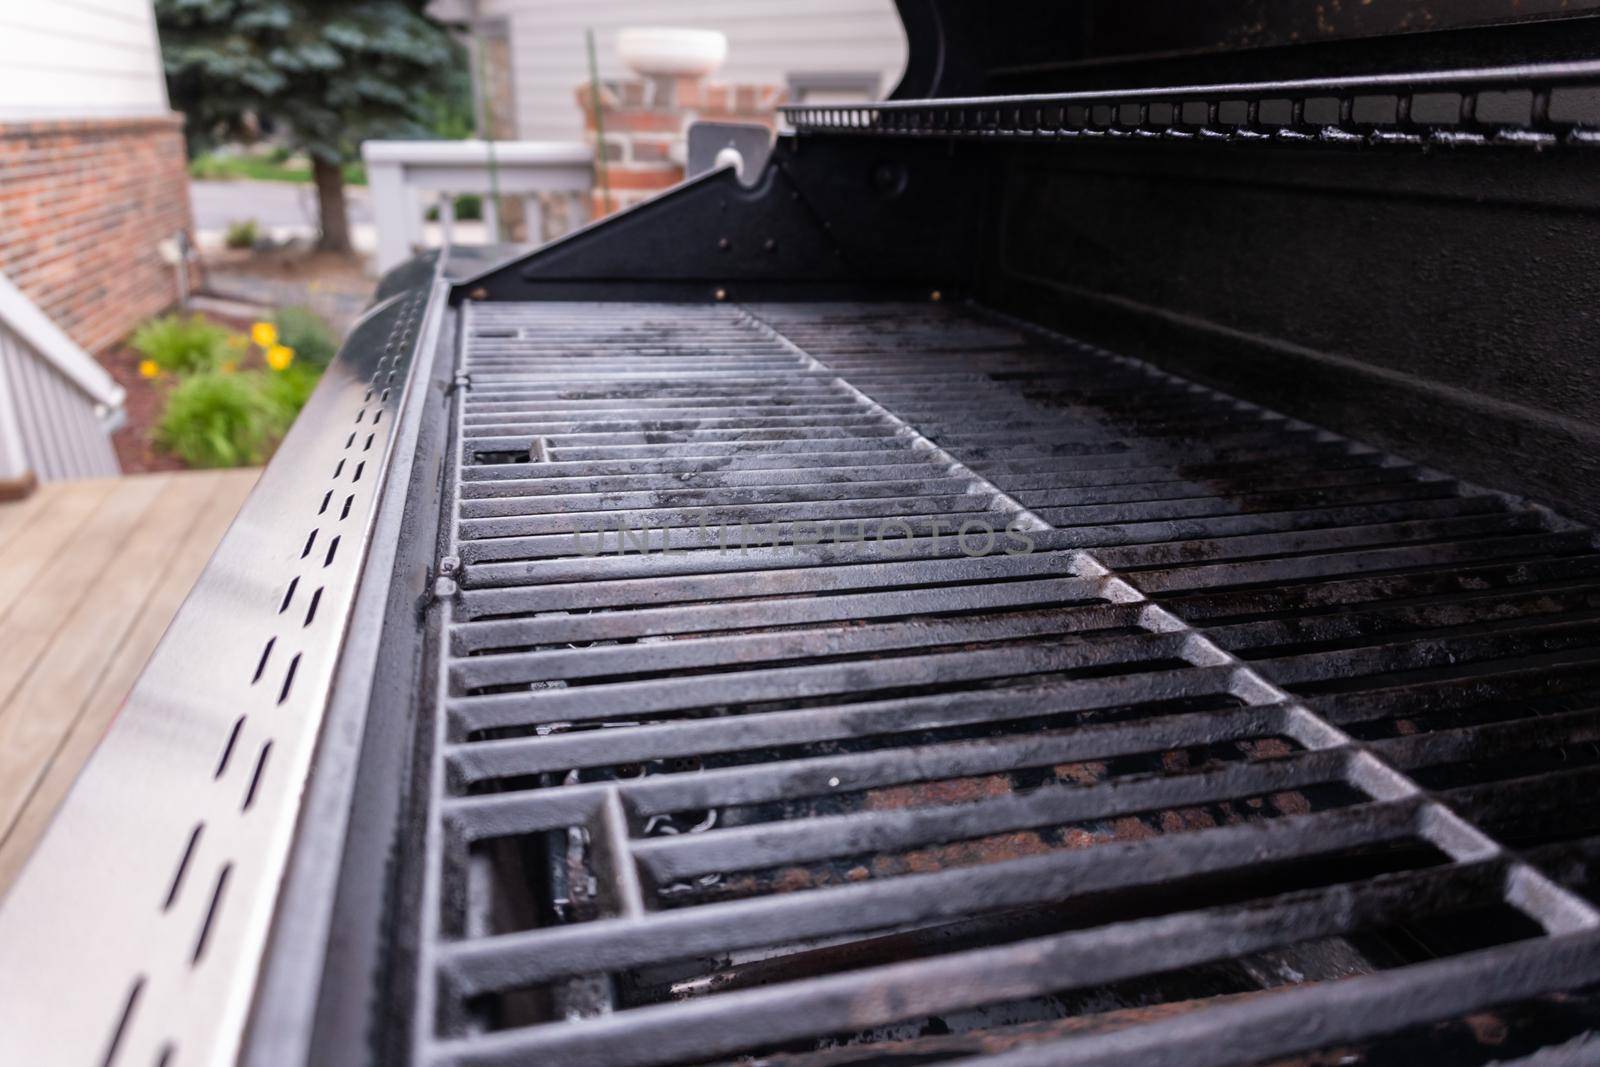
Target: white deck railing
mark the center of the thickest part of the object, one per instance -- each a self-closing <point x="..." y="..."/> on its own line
<point x="58" y="406"/>
<point x="398" y="171"/>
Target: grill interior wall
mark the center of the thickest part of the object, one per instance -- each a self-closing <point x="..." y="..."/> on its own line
<point x="1395" y="295"/>
<point x="1226" y="706"/>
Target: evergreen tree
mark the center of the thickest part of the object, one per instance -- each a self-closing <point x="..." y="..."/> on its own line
<point x="327" y="73"/>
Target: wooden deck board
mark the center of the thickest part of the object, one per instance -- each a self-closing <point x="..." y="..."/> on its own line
<point x="69" y="573"/>
<point x="84" y="620"/>
<point x="39" y="535"/>
<point x="14" y="516"/>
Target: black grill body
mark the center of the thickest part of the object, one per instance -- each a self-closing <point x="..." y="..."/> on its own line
<point x="1084" y="562"/>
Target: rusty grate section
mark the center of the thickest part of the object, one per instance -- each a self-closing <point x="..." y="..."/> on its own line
<point x="751" y="741"/>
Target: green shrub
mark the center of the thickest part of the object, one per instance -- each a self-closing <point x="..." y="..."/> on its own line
<point x="242" y="234"/>
<point x="216" y="415"/>
<point x="208" y="166"/>
<point x="266" y="167"/>
<point x="469" y="208"/>
<point x="286" y="392"/>
<point x="178" y="345"/>
<point x="302" y="330"/>
<point x="217" y="419"/>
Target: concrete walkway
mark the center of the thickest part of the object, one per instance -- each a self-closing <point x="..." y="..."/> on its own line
<point x="286" y="211"/>
<point x="273" y="205"/>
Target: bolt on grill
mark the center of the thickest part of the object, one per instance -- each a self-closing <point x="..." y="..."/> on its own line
<point x="830" y="681"/>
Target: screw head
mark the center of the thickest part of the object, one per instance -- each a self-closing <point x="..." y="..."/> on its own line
<point x="771" y="245"/>
<point x="936" y="296"/>
<point x="723" y="244"/>
<point x="721" y="294"/>
<point x="479" y="293"/>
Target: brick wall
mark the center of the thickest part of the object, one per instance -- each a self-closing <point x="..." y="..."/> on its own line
<point x="645" y="124"/>
<point x="83" y="207"/>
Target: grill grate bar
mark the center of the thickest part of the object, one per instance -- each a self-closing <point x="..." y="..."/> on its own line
<point x="745" y="614"/>
<point x="789" y="646"/>
<point x="784" y="728"/>
<point x="659" y="696"/>
<point x="951" y="571"/>
<point x="711" y="514"/>
<point x="837" y="775"/>
<point x="669" y="497"/>
<point x="683" y="856"/>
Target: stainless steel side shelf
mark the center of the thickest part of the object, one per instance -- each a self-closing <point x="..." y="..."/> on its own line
<point x="136" y="932"/>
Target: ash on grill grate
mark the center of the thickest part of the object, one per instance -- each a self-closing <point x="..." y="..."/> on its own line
<point x="1186" y="737"/>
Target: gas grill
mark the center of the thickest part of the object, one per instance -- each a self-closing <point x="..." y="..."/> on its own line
<point x="1040" y="570"/>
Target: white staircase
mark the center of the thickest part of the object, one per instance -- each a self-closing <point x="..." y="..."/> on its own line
<point x="58" y="407"/>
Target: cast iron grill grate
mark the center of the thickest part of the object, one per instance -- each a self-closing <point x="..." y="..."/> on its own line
<point x="941" y="688"/>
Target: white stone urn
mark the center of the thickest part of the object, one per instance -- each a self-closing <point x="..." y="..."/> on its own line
<point x="656" y="52"/>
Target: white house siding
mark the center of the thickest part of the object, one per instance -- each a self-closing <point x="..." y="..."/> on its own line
<point x="79" y="59"/>
<point x="767" y="40"/>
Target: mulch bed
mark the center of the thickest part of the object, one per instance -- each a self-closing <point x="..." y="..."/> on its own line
<point x="143" y="406"/>
<point x="136" y="454"/>
<point x="325" y="281"/>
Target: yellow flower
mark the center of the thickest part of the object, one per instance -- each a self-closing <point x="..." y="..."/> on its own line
<point x="148" y="369"/>
<point x="279" y="357"/>
<point x="264" y="334"/>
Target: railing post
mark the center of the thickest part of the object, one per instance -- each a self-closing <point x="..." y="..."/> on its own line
<point x="533" y="216"/>
<point x="13" y="455"/>
<point x="392" y="206"/>
<point x="447" y="219"/>
<point x="491" y="219"/>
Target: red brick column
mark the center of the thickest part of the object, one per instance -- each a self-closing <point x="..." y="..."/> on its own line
<point x="646" y="123"/>
<point x="84" y="206"/>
